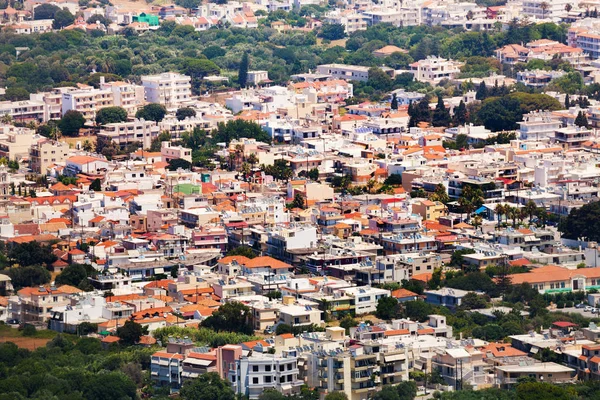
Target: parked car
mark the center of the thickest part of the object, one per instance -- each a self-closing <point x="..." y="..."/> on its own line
<point x="581" y="305"/>
<point x="13" y="322"/>
<point x="587" y="308"/>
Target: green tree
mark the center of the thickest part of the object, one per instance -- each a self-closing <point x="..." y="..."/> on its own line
<point x="130" y="333"/>
<point x="189" y="4"/>
<point x="336" y="396"/>
<point x="96" y="185"/>
<point x="348" y="322"/>
<point x="298" y="201"/>
<point x="581" y="120"/>
<point x="231" y="317"/>
<point x="198" y="69"/>
<point x="185" y="112"/>
<point x="582" y="222"/>
<point x="394" y="103"/>
<point x="176" y="163"/>
<point x="271" y="394"/>
<point x="207" y="386"/>
<point x="482" y="92"/>
<point x="332" y="31"/>
<point x="45" y="11"/>
<point x="29" y="276"/>
<point x="386" y="308"/>
<point x="407" y="390"/>
<point x="242" y="251"/>
<point x="418" y="310"/>
<point x="460" y="114"/>
<point x="243" y="70"/>
<point x="388" y="392"/>
<point x="542" y="390"/>
<point x="32" y="253"/>
<point x="110" y="115"/>
<point x="75" y="273"/>
<point x="71" y="122"/>
<point x="152" y="112"/>
<point x="62" y="18"/>
<point x="108" y="386"/>
<point x="441" y="116"/>
<point x="473" y="301"/>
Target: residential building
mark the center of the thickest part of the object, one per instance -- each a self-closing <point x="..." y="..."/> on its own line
<point x="47" y="153"/>
<point x="169" y="89"/>
<point x="434" y="69"/>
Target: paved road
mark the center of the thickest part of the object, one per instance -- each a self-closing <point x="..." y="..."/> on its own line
<point x="586" y="314"/>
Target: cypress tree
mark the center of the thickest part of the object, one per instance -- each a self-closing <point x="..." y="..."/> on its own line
<point x="394" y="105"/>
<point x="441" y="116"/>
<point x="243" y="70"/>
<point x="482" y="91"/>
<point x="567" y="102"/>
<point x="581" y="119"/>
<point x="460" y="114"/>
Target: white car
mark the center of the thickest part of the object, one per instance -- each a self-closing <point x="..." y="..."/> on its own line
<point x="588" y="308"/>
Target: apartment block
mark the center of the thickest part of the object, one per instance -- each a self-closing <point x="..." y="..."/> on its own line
<point x="135" y="131"/>
<point x="46" y="153"/>
<point x="88" y="101"/>
<point x="434" y="69"/>
<point x="169" y="89"/>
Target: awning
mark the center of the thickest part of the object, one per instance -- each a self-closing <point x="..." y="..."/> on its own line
<point x="530" y="238"/>
<point x="197" y="361"/>
<point x="534" y="349"/>
<point x="394" y="357"/>
<point x="480" y="210"/>
<point x="159" y="270"/>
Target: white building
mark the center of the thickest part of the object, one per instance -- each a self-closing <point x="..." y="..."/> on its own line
<point x="169" y="89"/>
<point x="342" y="71"/>
<point x="88" y="101"/>
<point x="434" y="69"/>
<point x="365" y="298"/>
<point x="538" y="125"/>
<point x="252" y="375"/>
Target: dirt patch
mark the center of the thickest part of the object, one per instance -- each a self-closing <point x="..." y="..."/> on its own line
<point x="133" y="6"/>
<point x="333" y="43"/>
<point x="29" y="343"/>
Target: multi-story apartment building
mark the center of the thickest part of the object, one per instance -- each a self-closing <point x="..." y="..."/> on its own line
<point x="210" y="237"/>
<point x="572" y="137"/>
<point x="35" y="304"/>
<point x="136" y="131"/>
<point x="126" y="95"/>
<point x="351" y="20"/>
<point x="15" y="142"/>
<point x="342" y="71"/>
<point x="538" y="125"/>
<point x="539" y="9"/>
<point x="23" y="111"/>
<point x="250" y="376"/>
<point x="434" y="69"/>
<point x="493" y="192"/>
<point x="52" y="102"/>
<point x="87" y="100"/>
<point x="586" y="38"/>
<point x="46" y="153"/>
<point x="169" y="89"/>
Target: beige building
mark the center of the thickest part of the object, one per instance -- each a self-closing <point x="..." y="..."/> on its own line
<point x="429" y="210"/>
<point x="170" y="152"/>
<point x="434" y="69"/>
<point x="15" y="142"/>
<point x="508" y="375"/>
<point x="46" y="153"/>
<point x="138" y="130"/>
<point x="126" y="95"/>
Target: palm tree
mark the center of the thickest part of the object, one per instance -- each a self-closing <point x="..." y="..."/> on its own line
<point x="252" y="159"/>
<point x="6" y="119"/>
<point x="500" y="210"/>
<point x="544" y="6"/>
<point x="245" y="169"/>
<point x="530" y="209"/>
<point x="87" y="146"/>
<point x="370" y="185"/>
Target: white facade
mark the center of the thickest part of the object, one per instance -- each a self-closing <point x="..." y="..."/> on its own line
<point x="169" y="89"/>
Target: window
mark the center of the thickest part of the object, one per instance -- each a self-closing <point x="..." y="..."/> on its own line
<point x="267" y="368"/>
<point x="255" y="380"/>
<point x="255" y="368"/>
<point x="268" y="379"/>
